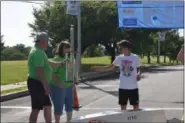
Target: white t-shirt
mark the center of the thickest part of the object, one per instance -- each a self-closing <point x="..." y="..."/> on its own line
<point x="128" y="70"/>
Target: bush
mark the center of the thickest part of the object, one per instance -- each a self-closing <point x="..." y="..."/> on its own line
<point x="12" y="54"/>
<point x="93" y="51"/>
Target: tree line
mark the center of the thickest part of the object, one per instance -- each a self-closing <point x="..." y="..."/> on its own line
<point x="99" y="22"/>
<point x="17" y="52"/>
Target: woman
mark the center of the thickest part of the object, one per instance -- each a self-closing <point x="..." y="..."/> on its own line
<point x="180" y="55"/>
<point x="61" y="91"/>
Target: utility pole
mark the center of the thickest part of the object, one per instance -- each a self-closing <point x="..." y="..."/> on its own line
<point x="79" y="41"/>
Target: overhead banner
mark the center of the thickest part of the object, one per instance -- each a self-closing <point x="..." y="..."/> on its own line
<point x="73" y="7"/>
<point x="151" y="14"/>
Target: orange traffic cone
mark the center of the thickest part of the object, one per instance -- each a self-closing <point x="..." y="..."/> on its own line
<point x="75" y="99"/>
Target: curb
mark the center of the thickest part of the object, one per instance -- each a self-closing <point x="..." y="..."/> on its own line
<point x="14" y="96"/>
<point x="83" y="79"/>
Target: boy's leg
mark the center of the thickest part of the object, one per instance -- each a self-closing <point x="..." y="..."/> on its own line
<point x="123" y="99"/>
<point x="134" y="98"/>
<point x="123" y="107"/>
<point x="69" y="103"/>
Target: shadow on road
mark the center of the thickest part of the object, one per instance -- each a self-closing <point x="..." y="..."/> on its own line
<point x="116" y="76"/>
<point x="151" y="69"/>
<point x="161" y="70"/>
<point x="115" y="93"/>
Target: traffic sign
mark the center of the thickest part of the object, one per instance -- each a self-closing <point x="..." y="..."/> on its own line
<point x="161" y="36"/>
<point x="72" y="7"/>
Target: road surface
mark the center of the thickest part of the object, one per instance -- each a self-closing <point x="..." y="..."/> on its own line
<point x="160" y="88"/>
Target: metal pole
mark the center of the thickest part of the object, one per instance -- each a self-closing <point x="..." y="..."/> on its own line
<point x="158" y="56"/>
<point x="72" y="36"/>
<point x="78" y="57"/>
<point x="73" y="49"/>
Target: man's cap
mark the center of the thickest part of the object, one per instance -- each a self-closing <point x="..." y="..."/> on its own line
<point x="41" y="36"/>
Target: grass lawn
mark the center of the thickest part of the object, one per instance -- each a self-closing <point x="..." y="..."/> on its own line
<point x="16" y="71"/>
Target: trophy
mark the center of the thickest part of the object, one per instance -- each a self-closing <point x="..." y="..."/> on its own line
<point x="69" y="67"/>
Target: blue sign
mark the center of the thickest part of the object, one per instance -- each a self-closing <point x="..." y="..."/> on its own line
<point x="151" y="14"/>
<point x="73" y="7"/>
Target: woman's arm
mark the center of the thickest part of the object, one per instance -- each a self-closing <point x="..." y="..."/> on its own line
<point x="56" y="64"/>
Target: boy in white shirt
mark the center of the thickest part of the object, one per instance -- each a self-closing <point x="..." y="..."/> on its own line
<point x="129" y="65"/>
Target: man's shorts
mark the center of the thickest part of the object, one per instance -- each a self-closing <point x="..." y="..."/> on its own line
<point x="37" y="92"/>
<point x="131" y="95"/>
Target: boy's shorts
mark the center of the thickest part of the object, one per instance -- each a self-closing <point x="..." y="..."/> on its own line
<point x="131" y="95"/>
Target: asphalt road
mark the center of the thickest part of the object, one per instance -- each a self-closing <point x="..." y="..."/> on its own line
<point x="160" y="88"/>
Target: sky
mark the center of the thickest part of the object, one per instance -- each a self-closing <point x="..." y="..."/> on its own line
<point x="15" y="17"/>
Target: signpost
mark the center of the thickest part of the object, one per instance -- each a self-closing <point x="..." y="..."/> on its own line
<point x="161" y="37"/>
<point x="73" y="8"/>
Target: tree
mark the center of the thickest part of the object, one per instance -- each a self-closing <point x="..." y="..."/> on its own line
<point x="96" y="19"/>
<point x="10" y="53"/>
<point x="93" y="51"/>
<point x="173" y="44"/>
<point x="20" y="47"/>
<point x="99" y="26"/>
<point x="2" y="43"/>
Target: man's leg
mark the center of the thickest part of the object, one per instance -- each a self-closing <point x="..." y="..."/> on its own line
<point x="47" y="109"/>
<point x="36" y="102"/>
<point x="134" y="99"/>
<point x="123" y="99"/>
<point x="47" y="114"/>
<point x="34" y="116"/>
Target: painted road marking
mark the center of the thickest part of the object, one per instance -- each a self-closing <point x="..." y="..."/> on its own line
<point x="182" y="119"/>
<point x="116" y="108"/>
<point x="100" y="85"/>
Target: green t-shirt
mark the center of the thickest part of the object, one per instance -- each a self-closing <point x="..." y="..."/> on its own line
<point x="60" y="73"/>
<point x="38" y="58"/>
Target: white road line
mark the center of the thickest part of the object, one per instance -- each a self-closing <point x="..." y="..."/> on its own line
<point x="131" y="108"/>
<point x="101" y="85"/>
<point x="27" y="107"/>
<point x="96" y="101"/>
<point x="15" y="107"/>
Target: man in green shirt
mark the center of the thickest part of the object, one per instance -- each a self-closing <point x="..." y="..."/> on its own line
<point x="39" y="75"/>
